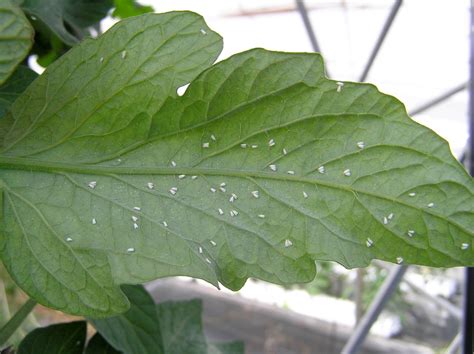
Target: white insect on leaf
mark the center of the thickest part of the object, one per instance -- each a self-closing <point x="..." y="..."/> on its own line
<point x="339" y="86"/>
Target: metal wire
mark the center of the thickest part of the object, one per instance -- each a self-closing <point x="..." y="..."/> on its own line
<point x="386" y="27"/>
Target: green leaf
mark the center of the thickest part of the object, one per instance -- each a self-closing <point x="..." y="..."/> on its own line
<point x="68" y="18"/>
<point x="162" y="53"/>
<point x="98" y="345"/>
<point x="16" y="38"/>
<point x="61" y="338"/>
<point x="169" y="327"/>
<point x="129" y="8"/>
<point x="14" y="86"/>
<point x="109" y="175"/>
<point x="138" y="329"/>
<point x="181" y="327"/>
<point x="9" y="91"/>
<point x="85" y="13"/>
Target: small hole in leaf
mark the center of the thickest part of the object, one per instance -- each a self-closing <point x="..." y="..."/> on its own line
<point x="182" y="89"/>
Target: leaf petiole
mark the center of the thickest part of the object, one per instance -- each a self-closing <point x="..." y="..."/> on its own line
<point x="15" y="322"/>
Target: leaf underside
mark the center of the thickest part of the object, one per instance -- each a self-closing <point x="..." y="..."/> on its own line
<point x="16" y="38"/>
<point x="263" y="166"/>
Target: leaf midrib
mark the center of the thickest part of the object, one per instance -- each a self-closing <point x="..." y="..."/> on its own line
<point x="12" y="163"/>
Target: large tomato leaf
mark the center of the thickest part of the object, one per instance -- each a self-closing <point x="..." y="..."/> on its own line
<point x="261" y="167"/>
<point x="16" y="38"/>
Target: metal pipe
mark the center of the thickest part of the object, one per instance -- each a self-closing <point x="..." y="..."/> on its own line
<point x="307" y="24"/>
<point x="386" y="27"/>
<point x="454" y="346"/>
<point x="468" y="321"/>
<point x="441" y="98"/>
<point x="441" y="302"/>
<point x="388" y="287"/>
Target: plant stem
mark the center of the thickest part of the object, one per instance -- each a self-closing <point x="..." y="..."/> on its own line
<point x="4" y="310"/>
<point x="15" y="322"/>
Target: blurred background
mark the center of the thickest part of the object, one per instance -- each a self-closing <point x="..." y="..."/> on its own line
<point x="422" y="58"/>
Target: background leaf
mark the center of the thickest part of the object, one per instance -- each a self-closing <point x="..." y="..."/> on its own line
<point x="169" y="327"/>
<point x="181" y="327"/>
<point x="263" y="166"/>
<point x="98" y="345"/>
<point x="61" y="338"/>
<point x="16" y="38"/>
<point x="14" y="86"/>
<point x="129" y="8"/>
<point x="138" y="329"/>
<point x="68" y="19"/>
<point x="182" y="330"/>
